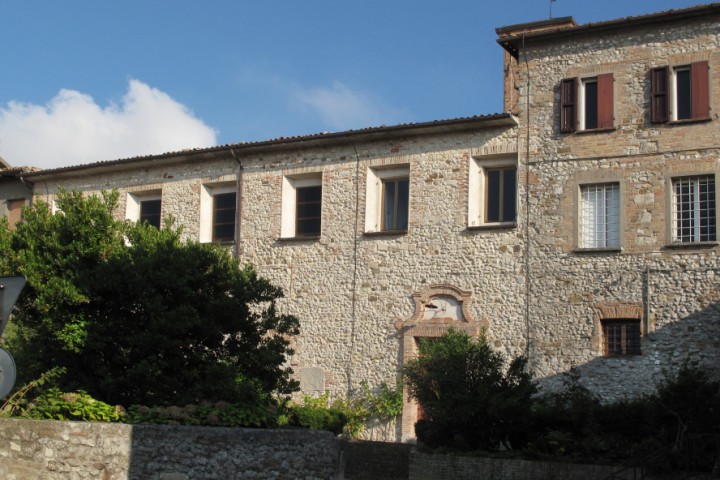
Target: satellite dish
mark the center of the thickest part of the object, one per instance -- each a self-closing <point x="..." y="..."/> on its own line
<point x="7" y="373"/>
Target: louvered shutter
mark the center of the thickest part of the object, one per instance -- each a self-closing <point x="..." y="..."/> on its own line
<point x="606" y="101"/>
<point x="700" y="77"/>
<point x="568" y="96"/>
<point x="659" y="94"/>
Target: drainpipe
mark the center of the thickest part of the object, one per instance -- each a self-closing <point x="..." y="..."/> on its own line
<point x="353" y="316"/>
<point x="238" y="204"/>
<point x="527" y="204"/>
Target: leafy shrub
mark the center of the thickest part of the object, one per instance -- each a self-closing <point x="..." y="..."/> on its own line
<point x="348" y="416"/>
<point x="221" y="414"/>
<point x="58" y="405"/>
<point x="469" y="399"/>
<point x="316" y="414"/>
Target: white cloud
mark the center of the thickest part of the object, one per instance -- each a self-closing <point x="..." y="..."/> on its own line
<point x="342" y="108"/>
<point x="72" y="129"/>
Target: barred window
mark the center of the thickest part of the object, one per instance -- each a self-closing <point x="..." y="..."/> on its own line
<point x="693" y="209"/>
<point x="621" y="337"/>
<point x="600" y="216"/>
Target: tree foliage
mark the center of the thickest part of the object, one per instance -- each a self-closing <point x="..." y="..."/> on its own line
<point x="136" y="315"/>
<point x="469" y="399"/>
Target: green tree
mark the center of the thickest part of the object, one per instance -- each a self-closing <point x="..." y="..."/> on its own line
<point x="136" y="315"/>
<point x="468" y="397"/>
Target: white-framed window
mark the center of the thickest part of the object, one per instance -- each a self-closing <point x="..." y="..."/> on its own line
<point x="694" y="216"/>
<point x="145" y="206"/>
<point x="492" y="192"/>
<point x="600" y="215"/>
<point x="587" y="103"/>
<point x="388" y="199"/>
<point x="680" y="92"/>
<point x="301" y="214"/>
<point x="218" y="214"/>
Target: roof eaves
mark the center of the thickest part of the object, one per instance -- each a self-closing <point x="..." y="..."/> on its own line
<point x="513" y="43"/>
<point x="370" y="133"/>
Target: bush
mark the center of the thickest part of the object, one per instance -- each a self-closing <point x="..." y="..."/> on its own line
<point x="469" y="399"/>
<point x="316" y="414"/>
<point x="219" y="414"/>
<point x="57" y="405"/>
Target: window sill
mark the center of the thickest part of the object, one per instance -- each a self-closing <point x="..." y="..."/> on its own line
<point x="385" y="233"/>
<point x="223" y="243"/>
<point x="595" y="130"/>
<point x="492" y="226"/>
<point x="586" y="250"/>
<point x="689" y="120"/>
<point x="682" y="245"/>
<point x="309" y="238"/>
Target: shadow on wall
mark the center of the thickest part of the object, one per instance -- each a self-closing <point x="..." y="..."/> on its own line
<point x="695" y="337"/>
<point x="184" y="453"/>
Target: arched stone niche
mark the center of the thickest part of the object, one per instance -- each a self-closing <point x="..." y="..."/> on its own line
<point x="438" y="308"/>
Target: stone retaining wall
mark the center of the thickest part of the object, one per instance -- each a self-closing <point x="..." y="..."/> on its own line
<point x="40" y="450"/>
<point x="50" y="450"/>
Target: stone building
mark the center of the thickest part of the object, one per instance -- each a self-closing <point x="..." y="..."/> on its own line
<point x="14" y="192"/>
<point x="579" y="228"/>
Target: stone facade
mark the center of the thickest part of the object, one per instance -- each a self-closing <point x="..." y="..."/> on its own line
<point x="51" y="450"/>
<point x="365" y="294"/>
<point x="670" y="287"/>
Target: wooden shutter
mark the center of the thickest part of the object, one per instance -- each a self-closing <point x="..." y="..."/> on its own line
<point x="700" y="78"/>
<point x="568" y="96"/>
<point x="606" y="101"/>
<point x="659" y="94"/>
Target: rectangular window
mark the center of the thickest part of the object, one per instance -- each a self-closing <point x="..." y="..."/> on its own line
<point x="396" y="195"/>
<point x="145" y="206"/>
<point x="387" y="199"/>
<point x="501" y="197"/>
<point x="301" y="215"/>
<point x="683" y="94"/>
<point x="621" y="337"/>
<point x="590" y="103"/>
<point x="680" y="93"/>
<point x="587" y="104"/>
<point x="223" y="223"/>
<point x="309" y="209"/>
<point x="150" y="212"/>
<point x="693" y="209"/>
<point x="600" y="216"/>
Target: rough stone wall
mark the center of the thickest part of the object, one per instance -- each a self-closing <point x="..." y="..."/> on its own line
<point x="350" y="289"/>
<point x="44" y="450"/>
<point x="673" y="290"/>
<point x="439" y="467"/>
<point x="357" y="294"/>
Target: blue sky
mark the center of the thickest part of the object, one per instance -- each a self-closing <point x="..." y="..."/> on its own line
<point x="91" y="80"/>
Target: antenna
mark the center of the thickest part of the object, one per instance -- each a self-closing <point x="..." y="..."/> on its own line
<point x="550" y="2"/>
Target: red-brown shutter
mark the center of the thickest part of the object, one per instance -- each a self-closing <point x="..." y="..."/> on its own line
<point x="659" y="94"/>
<point x="606" y="101"/>
<point x="700" y="78"/>
<point x="568" y="90"/>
